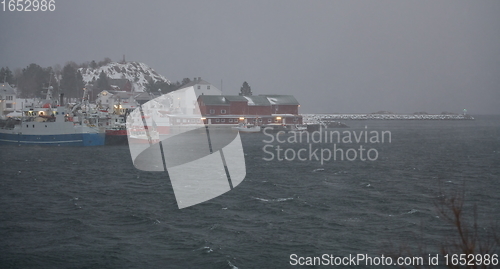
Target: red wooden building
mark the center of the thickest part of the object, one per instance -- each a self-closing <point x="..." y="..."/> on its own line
<point x="259" y="109"/>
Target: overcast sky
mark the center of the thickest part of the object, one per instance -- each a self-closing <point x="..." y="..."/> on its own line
<point x="333" y="56"/>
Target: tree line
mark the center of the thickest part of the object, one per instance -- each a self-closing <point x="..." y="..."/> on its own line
<point x="34" y="80"/>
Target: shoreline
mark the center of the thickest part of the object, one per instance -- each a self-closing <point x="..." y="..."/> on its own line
<point x="368" y="116"/>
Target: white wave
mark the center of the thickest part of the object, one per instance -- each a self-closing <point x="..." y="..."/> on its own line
<point x="273" y="200"/>
<point x="232" y="265"/>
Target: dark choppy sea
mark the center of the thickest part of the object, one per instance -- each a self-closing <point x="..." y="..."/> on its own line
<point x="90" y="208"/>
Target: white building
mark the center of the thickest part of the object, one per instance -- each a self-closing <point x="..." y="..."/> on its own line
<point x="186" y="104"/>
<point x="7" y="98"/>
<point x="116" y="100"/>
<point x="202" y="87"/>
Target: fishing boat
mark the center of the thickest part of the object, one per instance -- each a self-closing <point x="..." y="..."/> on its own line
<point x="142" y="135"/>
<point x="248" y="129"/>
<point x="116" y="130"/>
<point x="51" y="125"/>
<point x="117" y="135"/>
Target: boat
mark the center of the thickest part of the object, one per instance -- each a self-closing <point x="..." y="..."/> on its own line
<point x="51" y="125"/>
<point x="248" y="129"/>
<point x="116" y="135"/>
<point x="116" y="130"/>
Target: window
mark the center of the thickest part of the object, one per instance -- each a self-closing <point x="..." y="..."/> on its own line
<point x="269" y="120"/>
<point x="8" y="105"/>
<point x="199" y="87"/>
<point x="9" y="98"/>
<point x="230" y="120"/>
<point x="260" y="120"/>
<point x="222" y="120"/>
<point x="217" y="120"/>
<point x="212" y="111"/>
<point x="208" y="87"/>
<point x="295" y="119"/>
<point x="223" y="111"/>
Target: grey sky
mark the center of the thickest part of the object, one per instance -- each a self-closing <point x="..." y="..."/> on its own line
<point x="334" y="56"/>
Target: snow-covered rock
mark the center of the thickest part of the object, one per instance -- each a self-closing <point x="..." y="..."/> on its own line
<point x="137" y="73"/>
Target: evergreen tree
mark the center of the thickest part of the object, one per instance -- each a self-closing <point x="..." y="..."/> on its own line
<point x="68" y="82"/>
<point x="31" y="81"/>
<point x="185" y="81"/>
<point x="102" y="82"/>
<point x="6" y="75"/>
<point x="245" y="89"/>
<point x="164" y="87"/>
<point x="80" y="84"/>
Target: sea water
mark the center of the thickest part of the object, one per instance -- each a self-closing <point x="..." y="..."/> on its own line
<point x="66" y="207"/>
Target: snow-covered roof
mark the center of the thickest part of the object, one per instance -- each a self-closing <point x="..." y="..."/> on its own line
<point x="6" y="89"/>
<point x="214" y="99"/>
<point x="257" y="100"/>
<point x="276" y="99"/>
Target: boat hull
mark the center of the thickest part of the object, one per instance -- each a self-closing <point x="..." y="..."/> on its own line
<point x="116" y="137"/>
<point x="76" y="139"/>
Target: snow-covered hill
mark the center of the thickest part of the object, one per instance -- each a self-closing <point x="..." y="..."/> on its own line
<point x="137" y="73"/>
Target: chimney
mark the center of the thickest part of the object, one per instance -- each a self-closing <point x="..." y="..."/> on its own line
<point x="199" y="78"/>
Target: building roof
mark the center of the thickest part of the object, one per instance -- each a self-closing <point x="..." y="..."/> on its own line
<point x="196" y="82"/>
<point x="6" y="89"/>
<point x="142" y="96"/>
<point x="259" y="100"/>
<point x="256" y="100"/>
<point x="235" y="98"/>
<point x="276" y="99"/>
<point x="214" y="99"/>
<point x="122" y="94"/>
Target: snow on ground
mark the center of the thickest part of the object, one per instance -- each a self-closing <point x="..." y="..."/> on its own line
<point x="137" y="73"/>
